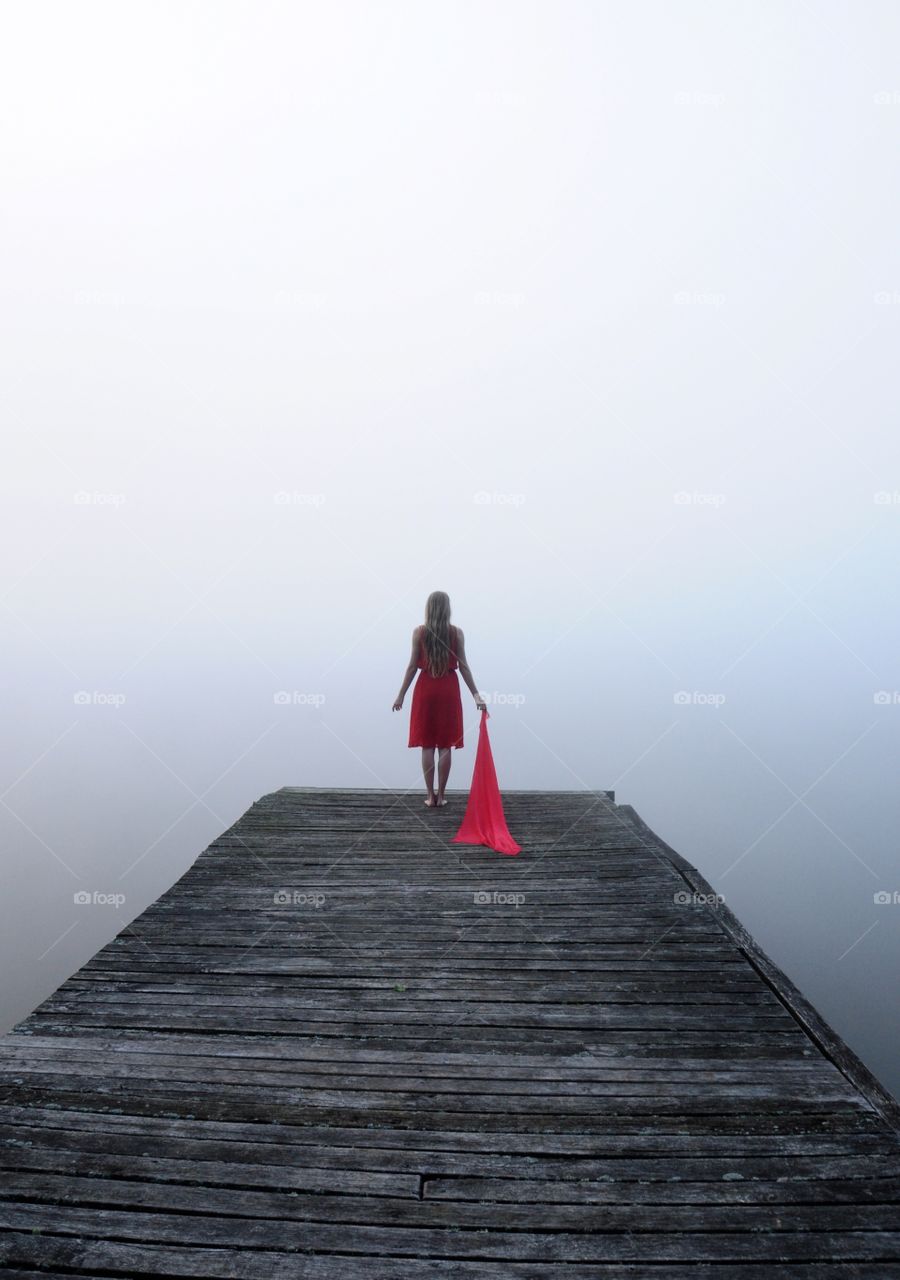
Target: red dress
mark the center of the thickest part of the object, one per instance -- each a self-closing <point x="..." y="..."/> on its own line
<point x="436" y="718"/>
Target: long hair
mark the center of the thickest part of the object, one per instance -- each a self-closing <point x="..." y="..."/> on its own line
<point x="437" y="633"/>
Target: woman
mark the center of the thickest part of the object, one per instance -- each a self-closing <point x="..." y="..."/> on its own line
<point x="435" y="722"/>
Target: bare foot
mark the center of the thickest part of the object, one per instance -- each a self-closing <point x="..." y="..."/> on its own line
<point x="440" y="800"/>
<point x="429" y="803"/>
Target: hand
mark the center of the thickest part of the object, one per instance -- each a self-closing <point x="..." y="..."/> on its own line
<point x="479" y="705"/>
<point x="398" y="705"/>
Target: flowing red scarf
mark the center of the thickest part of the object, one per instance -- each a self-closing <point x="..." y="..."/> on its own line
<point x="484" y="822"/>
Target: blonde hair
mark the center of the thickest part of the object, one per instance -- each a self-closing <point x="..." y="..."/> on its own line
<point x="436" y="636"/>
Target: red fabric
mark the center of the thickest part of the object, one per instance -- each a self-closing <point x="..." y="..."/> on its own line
<point x="436" y="716"/>
<point x="484" y="822"/>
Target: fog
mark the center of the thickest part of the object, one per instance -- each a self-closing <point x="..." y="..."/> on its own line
<point x="585" y="313"/>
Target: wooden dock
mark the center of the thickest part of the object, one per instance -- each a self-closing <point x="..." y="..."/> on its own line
<point x="343" y="1048"/>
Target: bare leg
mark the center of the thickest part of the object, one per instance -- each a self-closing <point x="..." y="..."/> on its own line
<point x="428" y="770"/>
<point x="443" y="773"/>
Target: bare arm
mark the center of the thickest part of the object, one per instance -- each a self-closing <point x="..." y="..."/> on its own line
<point x="410" y="672"/>
<point x="465" y="670"/>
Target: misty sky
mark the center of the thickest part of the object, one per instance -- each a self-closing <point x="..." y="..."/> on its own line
<point x="586" y="313"/>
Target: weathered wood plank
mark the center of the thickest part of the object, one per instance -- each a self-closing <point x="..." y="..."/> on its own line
<point x="202" y="1159"/>
<point x="397" y="1216"/>
<point x="158" y="1260"/>
<point x="623" y="1245"/>
<point x="616" y="1141"/>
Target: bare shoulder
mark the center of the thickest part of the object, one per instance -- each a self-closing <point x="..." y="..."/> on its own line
<point x="460" y="634"/>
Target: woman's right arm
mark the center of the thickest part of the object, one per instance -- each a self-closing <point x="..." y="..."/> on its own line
<point x="409" y="673"/>
<point x="465" y="670"/>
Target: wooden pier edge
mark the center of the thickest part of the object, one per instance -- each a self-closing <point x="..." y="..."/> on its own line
<point x="821" y="1032"/>
<point x="507" y="791"/>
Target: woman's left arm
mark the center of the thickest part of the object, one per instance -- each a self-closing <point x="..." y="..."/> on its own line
<point x="411" y="668"/>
